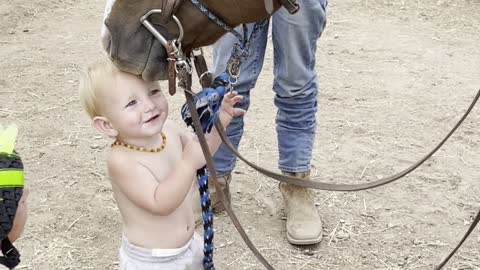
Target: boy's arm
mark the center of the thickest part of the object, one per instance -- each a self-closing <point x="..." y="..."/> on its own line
<point x="142" y="188"/>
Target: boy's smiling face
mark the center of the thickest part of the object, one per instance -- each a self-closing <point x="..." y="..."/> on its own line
<point x="131" y="108"/>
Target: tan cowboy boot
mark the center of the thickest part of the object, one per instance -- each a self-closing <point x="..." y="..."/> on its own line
<point x="304" y="226"/>
<point x="224" y="182"/>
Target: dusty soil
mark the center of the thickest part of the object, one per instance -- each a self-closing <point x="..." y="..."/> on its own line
<point x="395" y="77"/>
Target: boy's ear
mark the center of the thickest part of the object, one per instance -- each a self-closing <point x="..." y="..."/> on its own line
<point x="103" y="125"/>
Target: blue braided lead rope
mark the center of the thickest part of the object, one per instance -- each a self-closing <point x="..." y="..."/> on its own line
<point x="207" y="218"/>
<point x="243" y="40"/>
<point x="207" y="103"/>
<point x="214" y="18"/>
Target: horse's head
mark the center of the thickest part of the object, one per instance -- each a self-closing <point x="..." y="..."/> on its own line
<point x="132" y="47"/>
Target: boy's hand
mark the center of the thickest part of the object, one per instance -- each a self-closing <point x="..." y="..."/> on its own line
<point x="192" y="152"/>
<point x="227" y="108"/>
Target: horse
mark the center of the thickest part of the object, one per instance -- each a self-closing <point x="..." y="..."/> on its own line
<point x="133" y="49"/>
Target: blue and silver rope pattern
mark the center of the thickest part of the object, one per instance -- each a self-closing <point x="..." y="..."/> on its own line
<point x="207" y="103"/>
<point x="207" y="217"/>
<point x="214" y="18"/>
<point x="245" y="39"/>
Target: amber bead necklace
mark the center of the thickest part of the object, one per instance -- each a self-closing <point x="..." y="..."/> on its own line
<point x="143" y="149"/>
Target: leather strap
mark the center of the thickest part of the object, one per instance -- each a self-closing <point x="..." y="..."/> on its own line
<point x="312" y="183"/>
<point x="315" y="183"/>
<point x="205" y="77"/>
<point x="345" y="187"/>
<point x="467" y="234"/>
<point x="172" y="76"/>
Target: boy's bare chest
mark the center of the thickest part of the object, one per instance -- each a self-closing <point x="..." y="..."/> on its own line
<point x="160" y="164"/>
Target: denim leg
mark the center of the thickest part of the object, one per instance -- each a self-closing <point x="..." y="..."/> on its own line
<point x="250" y="69"/>
<point x="295" y="84"/>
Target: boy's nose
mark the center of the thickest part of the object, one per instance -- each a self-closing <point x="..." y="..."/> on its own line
<point x="149" y="105"/>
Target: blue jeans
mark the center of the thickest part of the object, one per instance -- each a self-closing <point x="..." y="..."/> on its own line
<point x="295" y="84"/>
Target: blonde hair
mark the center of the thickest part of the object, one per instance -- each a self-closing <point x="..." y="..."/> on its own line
<point x="95" y="78"/>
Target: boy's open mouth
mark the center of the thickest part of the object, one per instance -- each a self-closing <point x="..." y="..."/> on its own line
<point x="152" y="118"/>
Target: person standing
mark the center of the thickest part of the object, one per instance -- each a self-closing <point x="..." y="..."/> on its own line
<point x="295" y="84"/>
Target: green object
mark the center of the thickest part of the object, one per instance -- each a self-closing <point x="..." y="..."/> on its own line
<point x="11" y="190"/>
<point x="11" y="178"/>
<point x="11" y="167"/>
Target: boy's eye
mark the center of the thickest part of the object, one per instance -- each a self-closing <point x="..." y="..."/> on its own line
<point x="154" y="91"/>
<point x="131" y="103"/>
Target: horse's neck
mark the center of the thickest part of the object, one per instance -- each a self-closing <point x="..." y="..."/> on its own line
<point x="235" y="12"/>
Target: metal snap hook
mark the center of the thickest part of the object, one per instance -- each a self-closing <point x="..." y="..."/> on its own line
<point x="154" y="31"/>
<point x="183" y="65"/>
<point x="233" y="79"/>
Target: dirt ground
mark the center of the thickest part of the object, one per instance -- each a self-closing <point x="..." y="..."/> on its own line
<point x="395" y="77"/>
